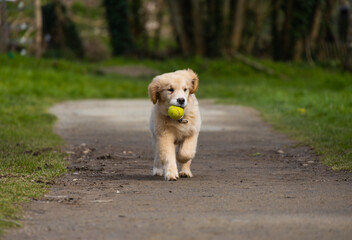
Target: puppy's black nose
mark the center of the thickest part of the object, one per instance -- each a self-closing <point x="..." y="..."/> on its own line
<point x="181" y="101"/>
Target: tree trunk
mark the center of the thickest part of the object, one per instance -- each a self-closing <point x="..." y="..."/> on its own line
<point x="348" y="59"/>
<point x="314" y="31"/>
<point x="229" y="19"/>
<point x="119" y="30"/>
<point x="228" y="24"/>
<point x="287" y="31"/>
<point x="311" y="40"/>
<point x="260" y="15"/>
<point x="275" y="35"/>
<point x="329" y="35"/>
<point x="144" y="34"/>
<point x="237" y="24"/>
<point x="198" y="30"/>
<point x="177" y="22"/>
<point x="60" y="33"/>
<point x="3" y="28"/>
<point x="216" y="33"/>
<point x="136" y="19"/>
<point x="343" y="21"/>
<point x="159" y="19"/>
<point x="298" y="50"/>
<point x="39" y="29"/>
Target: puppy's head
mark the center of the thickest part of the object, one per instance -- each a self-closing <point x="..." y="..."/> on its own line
<point x="173" y="88"/>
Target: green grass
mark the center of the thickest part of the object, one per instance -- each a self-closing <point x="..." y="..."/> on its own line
<point x="311" y="104"/>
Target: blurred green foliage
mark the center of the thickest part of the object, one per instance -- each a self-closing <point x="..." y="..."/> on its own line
<point x="80" y="9"/>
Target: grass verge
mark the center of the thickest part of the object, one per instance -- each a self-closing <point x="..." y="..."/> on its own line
<point x="30" y="156"/>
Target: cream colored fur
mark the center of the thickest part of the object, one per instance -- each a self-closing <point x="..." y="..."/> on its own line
<point x="174" y="141"/>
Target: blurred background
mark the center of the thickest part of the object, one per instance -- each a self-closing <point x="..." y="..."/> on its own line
<point x="314" y="31"/>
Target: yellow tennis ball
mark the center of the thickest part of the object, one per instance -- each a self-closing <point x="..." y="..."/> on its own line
<point x="175" y="112"/>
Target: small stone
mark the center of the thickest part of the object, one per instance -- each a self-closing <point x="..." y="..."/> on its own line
<point x="280" y="151"/>
<point x="86" y="151"/>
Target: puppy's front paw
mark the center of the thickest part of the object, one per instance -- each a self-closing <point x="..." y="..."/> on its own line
<point x="186" y="174"/>
<point x="171" y="175"/>
<point x="157" y="171"/>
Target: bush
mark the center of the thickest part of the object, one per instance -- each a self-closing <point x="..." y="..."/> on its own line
<point x="95" y="50"/>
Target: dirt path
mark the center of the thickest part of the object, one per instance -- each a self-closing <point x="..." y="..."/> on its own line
<point x="250" y="182"/>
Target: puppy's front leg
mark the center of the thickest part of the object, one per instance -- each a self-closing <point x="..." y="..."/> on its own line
<point x="167" y="156"/>
<point x="186" y="153"/>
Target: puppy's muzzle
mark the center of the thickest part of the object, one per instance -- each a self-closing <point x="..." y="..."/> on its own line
<point x="181" y="101"/>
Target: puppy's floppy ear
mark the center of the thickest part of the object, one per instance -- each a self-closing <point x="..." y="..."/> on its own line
<point x="194" y="79"/>
<point x="153" y="90"/>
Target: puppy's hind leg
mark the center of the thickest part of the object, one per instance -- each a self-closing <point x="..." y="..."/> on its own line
<point x="157" y="167"/>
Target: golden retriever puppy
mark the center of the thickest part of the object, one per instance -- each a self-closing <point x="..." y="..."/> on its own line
<point x="174" y="139"/>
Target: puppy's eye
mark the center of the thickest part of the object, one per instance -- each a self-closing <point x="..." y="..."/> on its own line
<point x="185" y="89"/>
<point x="171" y="90"/>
